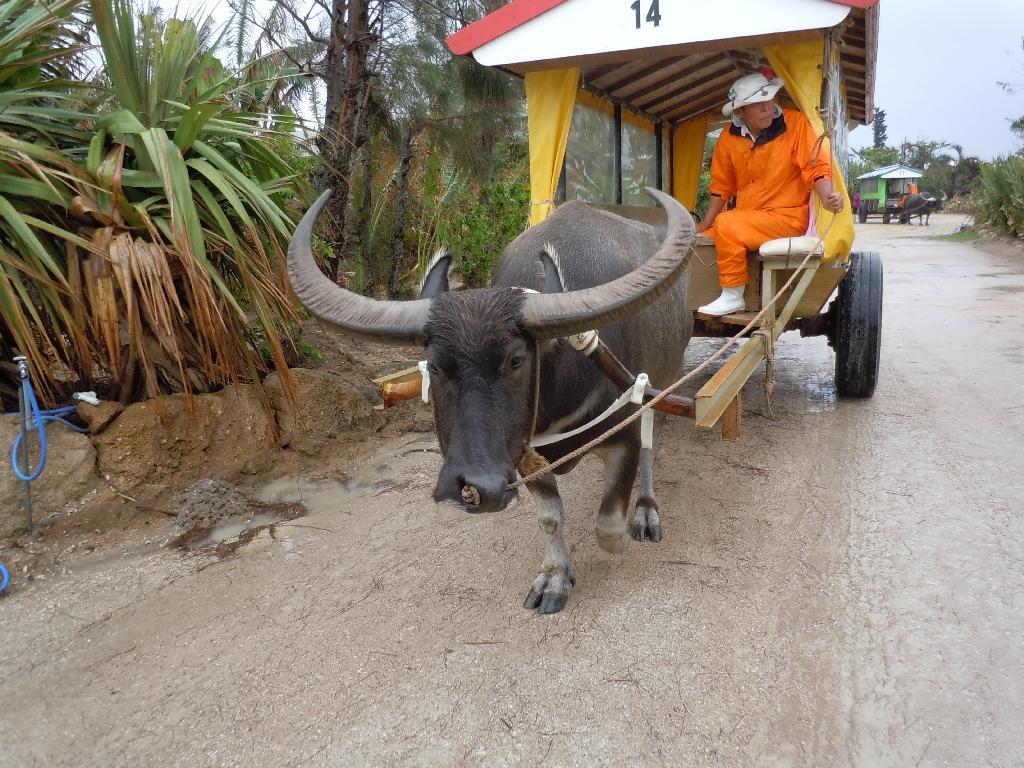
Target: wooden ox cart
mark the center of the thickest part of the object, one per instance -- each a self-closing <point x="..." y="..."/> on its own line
<point x="623" y="94"/>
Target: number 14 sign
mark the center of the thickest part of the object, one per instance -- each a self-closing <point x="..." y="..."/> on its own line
<point x="576" y="28"/>
<point x="653" y="13"/>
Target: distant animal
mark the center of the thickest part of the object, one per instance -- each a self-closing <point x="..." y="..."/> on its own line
<point x="921" y="205"/>
<point x="500" y="370"/>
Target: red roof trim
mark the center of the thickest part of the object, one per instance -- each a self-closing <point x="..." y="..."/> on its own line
<point x="496" y="24"/>
<point x="518" y="12"/>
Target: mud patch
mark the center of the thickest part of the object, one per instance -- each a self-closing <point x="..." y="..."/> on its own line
<point x="213" y="514"/>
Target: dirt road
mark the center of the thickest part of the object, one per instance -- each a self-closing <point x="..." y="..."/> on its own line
<point x="844" y="586"/>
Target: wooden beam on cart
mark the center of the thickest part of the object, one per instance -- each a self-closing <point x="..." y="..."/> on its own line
<point x="732" y="418"/>
<point x="714" y="397"/>
<point x="399" y="386"/>
<point x="722" y="392"/>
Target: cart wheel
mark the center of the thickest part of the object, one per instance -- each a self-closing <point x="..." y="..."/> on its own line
<point x="858" y="330"/>
<point x="886" y="217"/>
<point x="862" y="214"/>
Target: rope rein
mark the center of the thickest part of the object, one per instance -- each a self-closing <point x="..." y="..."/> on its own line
<point x="535" y="472"/>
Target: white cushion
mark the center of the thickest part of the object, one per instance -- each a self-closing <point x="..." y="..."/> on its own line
<point x="792" y="246"/>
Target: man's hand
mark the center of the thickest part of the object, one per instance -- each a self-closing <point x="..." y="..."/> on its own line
<point x="714" y="208"/>
<point x="830" y="199"/>
<point x="833" y="202"/>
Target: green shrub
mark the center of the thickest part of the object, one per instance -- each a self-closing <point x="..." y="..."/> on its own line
<point x="703" y="194"/>
<point x="1002" y="195"/>
<point x="485" y="224"/>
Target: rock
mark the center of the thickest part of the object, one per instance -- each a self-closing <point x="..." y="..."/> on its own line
<point x="70" y="473"/>
<point x="327" y="407"/>
<point x="206" y="503"/>
<point x="159" y="445"/>
<point x="97" y="417"/>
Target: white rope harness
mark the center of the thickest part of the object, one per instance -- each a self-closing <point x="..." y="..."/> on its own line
<point x="635" y="395"/>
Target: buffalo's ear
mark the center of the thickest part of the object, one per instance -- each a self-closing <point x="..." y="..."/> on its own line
<point x="553" y="282"/>
<point x="435" y="280"/>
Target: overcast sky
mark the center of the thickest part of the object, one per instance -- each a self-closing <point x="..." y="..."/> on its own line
<point x="938" y="66"/>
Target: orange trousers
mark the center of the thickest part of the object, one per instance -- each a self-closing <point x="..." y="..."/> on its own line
<point x="738" y="231"/>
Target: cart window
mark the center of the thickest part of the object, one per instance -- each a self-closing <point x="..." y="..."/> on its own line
<point x="869" y="186"/>
<point x="835" y="106"/>
<point x="639" y="158"/>
<point x="590" y="156"/>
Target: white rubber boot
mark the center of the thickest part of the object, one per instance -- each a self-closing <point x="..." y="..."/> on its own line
<point x="730" y="301"/>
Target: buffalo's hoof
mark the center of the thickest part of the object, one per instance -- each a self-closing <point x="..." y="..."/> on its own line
<point x="646" y="524"/>
<point x="549" y="593"/>
<point x="611" y="540"/>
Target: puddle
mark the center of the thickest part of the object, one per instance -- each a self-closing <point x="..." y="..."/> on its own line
<point x="325" y="495"/>
<point x="331" y="494"/>
<point x="822" y="397"/>
<point x="237" y="529"/>
<point x="418" y="446"/>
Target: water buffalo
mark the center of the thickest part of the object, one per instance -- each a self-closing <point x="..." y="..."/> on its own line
<point x="922" y="206"/>
<point x="501" y="371"/>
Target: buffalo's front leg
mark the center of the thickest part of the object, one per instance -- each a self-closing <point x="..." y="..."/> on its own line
<point x="620" y="463"/>
<point x="646" y="521"/>
<point x="551" y="588"/>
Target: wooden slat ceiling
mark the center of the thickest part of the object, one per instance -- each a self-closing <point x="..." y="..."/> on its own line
<point x="683" y="86"/>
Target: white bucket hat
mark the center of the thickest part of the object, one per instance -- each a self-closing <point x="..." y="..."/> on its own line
<point x="752" y="89"/>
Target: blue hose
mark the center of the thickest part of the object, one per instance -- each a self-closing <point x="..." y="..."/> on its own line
<point x="5" y="577"/>
<point x="39" y="420"/>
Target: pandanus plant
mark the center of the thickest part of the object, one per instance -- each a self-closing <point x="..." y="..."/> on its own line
<point x="142" y="214"/>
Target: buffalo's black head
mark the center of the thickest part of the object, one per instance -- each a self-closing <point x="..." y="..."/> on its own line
<point x="482" y="366"/>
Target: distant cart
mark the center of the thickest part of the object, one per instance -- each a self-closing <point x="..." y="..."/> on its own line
<point x="621" y="96"/>
<point x="883" y="192"/>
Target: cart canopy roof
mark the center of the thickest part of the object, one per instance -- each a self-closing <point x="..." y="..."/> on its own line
<point x="675" y="59"/>
<point x="893" y="172"/>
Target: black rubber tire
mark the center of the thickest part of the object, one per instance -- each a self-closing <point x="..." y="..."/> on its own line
<point x="862" y="214"/>
<point x="886" y="217"/>
<point x="858" y="332"/>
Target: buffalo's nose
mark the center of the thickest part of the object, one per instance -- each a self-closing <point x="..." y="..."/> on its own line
<point x="485" y="492"/>
<point x="475" y="491"/>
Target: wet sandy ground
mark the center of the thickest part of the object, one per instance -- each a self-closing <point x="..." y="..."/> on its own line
<point x="842" y="587"/>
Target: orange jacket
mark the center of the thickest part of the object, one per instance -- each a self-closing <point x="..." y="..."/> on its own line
<point x="776" y="172"/>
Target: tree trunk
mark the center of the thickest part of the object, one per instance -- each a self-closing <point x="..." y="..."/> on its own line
<point x="356" y="244"/>
<point x="346" y="54"/>
<point x="365" y="208"/>
<point x="401" y="206"/>
<point x="334" y="78"/>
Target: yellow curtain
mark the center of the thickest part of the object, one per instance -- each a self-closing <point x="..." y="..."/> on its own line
<point x="799" y="64"/>
<point x="687" y="156"/>
<point x="550" y="95"/>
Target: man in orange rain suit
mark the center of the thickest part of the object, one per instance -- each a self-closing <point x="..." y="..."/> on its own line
<point x="764" y="159"/>
<point x="911" y="190"/>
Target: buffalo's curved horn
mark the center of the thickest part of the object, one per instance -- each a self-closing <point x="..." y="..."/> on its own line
<point x="548" y="315"/>
<point x="394" y="322"/>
